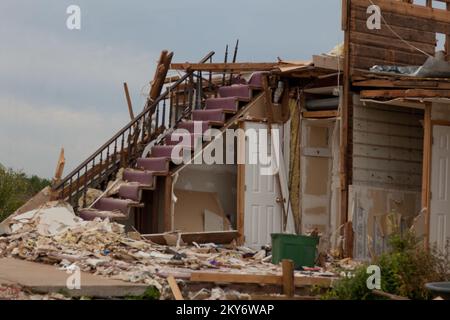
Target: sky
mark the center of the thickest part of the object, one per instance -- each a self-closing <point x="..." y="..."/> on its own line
<point x="64" y="88"/>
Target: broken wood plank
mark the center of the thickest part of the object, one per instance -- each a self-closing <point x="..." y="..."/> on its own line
<point x="59" y="167"/>
<point x="221" y="237"/>
<point x="128" y="98"/>
<point x="160" y="74"/>
<point x="271" y="279"/>
<point x="283" y="297"/>
<point x="168" y="204"/>
<point x="320" y="114"/>
<point x="328" y="62"/>
<point x="58" y="174"/>
<point x="174" y="287"/>
<point x="348" y="238"/>
<point x="416" y="84"/>
<point x="242" y="66"/>
<point x="409" y="93"/>
<point x="288" y="277"/>
<point x="388" y="295"/>
<point x="426" y="171"/>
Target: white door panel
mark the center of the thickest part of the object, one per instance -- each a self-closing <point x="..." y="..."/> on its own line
<point x="440" y="178"/>
<point x="263" y="214"/>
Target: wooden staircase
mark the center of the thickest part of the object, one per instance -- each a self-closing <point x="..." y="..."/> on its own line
<point x="157" y="124"/>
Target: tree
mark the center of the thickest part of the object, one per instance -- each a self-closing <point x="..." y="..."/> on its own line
<point x="16" y="188"/>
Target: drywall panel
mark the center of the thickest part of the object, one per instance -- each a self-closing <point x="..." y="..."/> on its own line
<point x="220" y="179"/>
<point x="316" y="183"/>
<point x="213" y="221"/>
<point x="316" y="173"/>
<point x="190" y="210"/>
<point x="373" y="213"/>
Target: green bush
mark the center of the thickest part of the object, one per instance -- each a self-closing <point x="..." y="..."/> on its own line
<point x="351" y="288"/>
<point x="408" y="267"/>
<point x="405" y="270"/>
<point x="16" y="188"/>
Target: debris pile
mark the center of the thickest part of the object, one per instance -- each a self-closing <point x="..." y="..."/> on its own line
<point x="53" y="234"/>
<point x="15" y="292"/>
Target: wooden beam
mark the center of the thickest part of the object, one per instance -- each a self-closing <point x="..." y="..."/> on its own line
<point x="447" y="37"/>
<point x="344" y="15"/>
<point x="328" y="62"/>
<point x="217" y="277"/>
<point x="348" y="236"/>
<point x="426" y="174"/>
<point x="344" y="123"/>
<point x="59" y="167"/>
<point x="439" y="122"/>
<point x="288" y="277"/>
<point x="242" y="66"/>
<point x="168" y="223"/>
<point x="174" y="287"/>
<point x="58" y="175"/>
<point x="241" y="189"/>
<point x="320" y="114"/>
<point x="416" y="84"/>
<point x="128" y="98"/>
<point x="160" y="74"/>
<point x="409" y="93"/>
<point x="388" y="295"/>
<point x="283" y="297"/>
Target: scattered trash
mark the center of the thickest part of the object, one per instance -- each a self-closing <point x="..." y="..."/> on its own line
<point x="53" y="234"/>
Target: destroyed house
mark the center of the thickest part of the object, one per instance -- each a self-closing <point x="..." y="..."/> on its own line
<point x="363" y="135"/>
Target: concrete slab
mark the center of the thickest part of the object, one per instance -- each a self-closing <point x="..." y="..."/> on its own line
<point x="42" y="278"/>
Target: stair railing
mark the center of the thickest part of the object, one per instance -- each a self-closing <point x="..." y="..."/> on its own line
<point x="123" y="149"/>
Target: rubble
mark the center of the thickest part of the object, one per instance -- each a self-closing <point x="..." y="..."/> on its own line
<point x="15" y="292"/>
<point x="53" y="234"/>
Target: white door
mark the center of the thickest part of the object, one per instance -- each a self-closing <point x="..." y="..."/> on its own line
<point x="263" y="214"/>
<point x="440" y="192"/>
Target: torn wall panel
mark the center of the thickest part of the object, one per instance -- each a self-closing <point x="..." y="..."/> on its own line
<point x="190" y="211"/>
<point x="316" y="178"/>
<point x="221" y="179"/>
<point x="377" y="213"/>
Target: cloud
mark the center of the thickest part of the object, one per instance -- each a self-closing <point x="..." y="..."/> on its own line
<point x="52" y="68"/>
<point x="64" y="88"/>
<point x="33" y="134"/>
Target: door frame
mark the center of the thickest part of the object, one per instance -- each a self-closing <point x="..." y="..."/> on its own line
<point x="240" y="192"/>
<point x="429" y="125"/>
<point x="241" y="183"/>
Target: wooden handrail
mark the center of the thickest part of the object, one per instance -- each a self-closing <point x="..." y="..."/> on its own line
<point x="117" y="142"/>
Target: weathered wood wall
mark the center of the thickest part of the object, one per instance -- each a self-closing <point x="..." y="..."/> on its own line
<point x="387" y="147"/>
<point x="417" y="25"/>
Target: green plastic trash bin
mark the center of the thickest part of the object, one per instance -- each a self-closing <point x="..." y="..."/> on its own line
<point x="300" y="249"/>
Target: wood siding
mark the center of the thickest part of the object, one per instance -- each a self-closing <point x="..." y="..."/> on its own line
<point x="387" y="146"/>
<point x="383" y="47"/>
